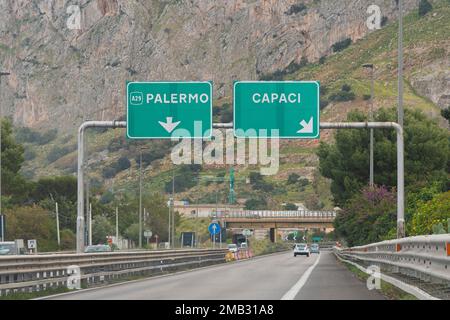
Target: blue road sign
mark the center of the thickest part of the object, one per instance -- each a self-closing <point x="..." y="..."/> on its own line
<point x="214" y="228"/>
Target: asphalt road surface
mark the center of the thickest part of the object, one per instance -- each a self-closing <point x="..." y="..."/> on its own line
<point x="273" y="277"/>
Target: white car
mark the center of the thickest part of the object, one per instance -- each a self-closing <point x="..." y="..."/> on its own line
<point x="302" y="249"/>
<point x="232" y="248"/>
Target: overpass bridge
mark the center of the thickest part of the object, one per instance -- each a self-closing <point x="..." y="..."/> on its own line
<point x="275" y="220"/>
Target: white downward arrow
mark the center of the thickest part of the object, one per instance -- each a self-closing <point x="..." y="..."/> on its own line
<point x="307" y="126"/>
<point x="169" y="126"/>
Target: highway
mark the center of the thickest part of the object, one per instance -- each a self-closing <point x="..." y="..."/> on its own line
<point x="273" y="277"/>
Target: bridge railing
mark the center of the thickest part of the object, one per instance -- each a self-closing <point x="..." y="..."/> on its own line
<point x="255" y="214"/>
<point x="426" y="258"/>
<point x="39" y="272"/>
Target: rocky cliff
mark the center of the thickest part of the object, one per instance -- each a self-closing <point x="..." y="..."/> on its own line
<point x="62" y="75"/>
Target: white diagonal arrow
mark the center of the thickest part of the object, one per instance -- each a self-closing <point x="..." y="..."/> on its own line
<point x="169" y="126"/>
<point x="307" y="126"/>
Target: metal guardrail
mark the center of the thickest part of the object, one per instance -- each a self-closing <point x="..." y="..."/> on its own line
<point x="39" y="272"/>
<point x="426" y="258"/>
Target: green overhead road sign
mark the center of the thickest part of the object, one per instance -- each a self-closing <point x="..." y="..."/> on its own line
<point x="161" y="110"/>
<point x="291" y="107"/>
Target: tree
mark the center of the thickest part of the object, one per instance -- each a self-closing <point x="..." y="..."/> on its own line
<point x="13" y="184"/>
<point x="446" y="114"/>
<point x="431" y="213"/>
<point x="424" y="7"/>
<point x="346" y="162"/>
<point x="32" y="222"/>
<point x="370" y="216"/>
<point x="68" y="239"/>
<point x="101" y="228"/>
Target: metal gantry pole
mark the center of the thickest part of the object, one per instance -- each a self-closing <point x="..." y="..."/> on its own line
<point x="400" y="63"/>
<point x="140" y="199"/>
<point x="372" y="93"/>
<point x="400" y="161"/>
<point x="80" y="175"/>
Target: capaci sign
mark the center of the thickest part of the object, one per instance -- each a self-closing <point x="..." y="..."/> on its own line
<point x="277" y="109"/>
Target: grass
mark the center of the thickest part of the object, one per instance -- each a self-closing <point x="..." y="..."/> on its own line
<point x="388" y="290"/>
<point x="35" y="294"/>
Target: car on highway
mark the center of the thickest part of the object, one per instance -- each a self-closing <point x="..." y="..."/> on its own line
<point x="97" y="248"/>
<point x="302" y="249"/>
<point x="232" y="247"/>
<point x="315" y="248"/>
<point x="7" y="248"/>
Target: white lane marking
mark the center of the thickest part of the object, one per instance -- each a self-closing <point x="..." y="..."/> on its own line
<point x="292" y="293"/>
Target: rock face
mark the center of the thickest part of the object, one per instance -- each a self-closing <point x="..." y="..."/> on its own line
<point x="61" y="75"/>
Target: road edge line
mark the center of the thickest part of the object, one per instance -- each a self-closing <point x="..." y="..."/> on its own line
<point x="293" y="292"/>
<point x="408" y="288"/>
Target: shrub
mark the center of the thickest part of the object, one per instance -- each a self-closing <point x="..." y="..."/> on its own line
<point x="341" y="45"/>
<point x="293" y="178"/>
<point x="108" y="172"/>
<point x="123" y="163"/>
<point x="343" y="96"/>
<point x="424" y="7"/>
<point x="346" y="88"/>
<point x="446" y="114"/>
<point x="296" y="8"/>
<point x="56" y="153"/>
<point x="366" y="97"/>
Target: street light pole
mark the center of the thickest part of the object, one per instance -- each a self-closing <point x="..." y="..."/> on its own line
<point x="372" y="90"/>
<point x="400" y="64"/>
<point x="1" y="118"/>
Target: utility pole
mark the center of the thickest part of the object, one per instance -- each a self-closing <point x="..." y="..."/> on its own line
<point x="400" y="63"/>
<point x="2" y="74"/>
<point x="57" y="224"/>
<point x="117" y="225"/>
<point x="372" y="92"/>
<point x="90" y="224"/>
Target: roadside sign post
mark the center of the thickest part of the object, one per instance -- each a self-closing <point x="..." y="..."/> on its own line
<point x="32" y="246"/>
<point x="247" y="233"/>
<point x="2" y="227"/>
<point x="277" y="109"/>
<point x="213" y="229"/>
<point x="162" y="110"/>
<point x="148" y="234"/>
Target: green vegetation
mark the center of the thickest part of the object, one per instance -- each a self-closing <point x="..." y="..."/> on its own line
<point x="424" y="7"/>
<point x="427" y="152"/>
<point x="341" y="45"/>
<point x="432" y="215"/>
